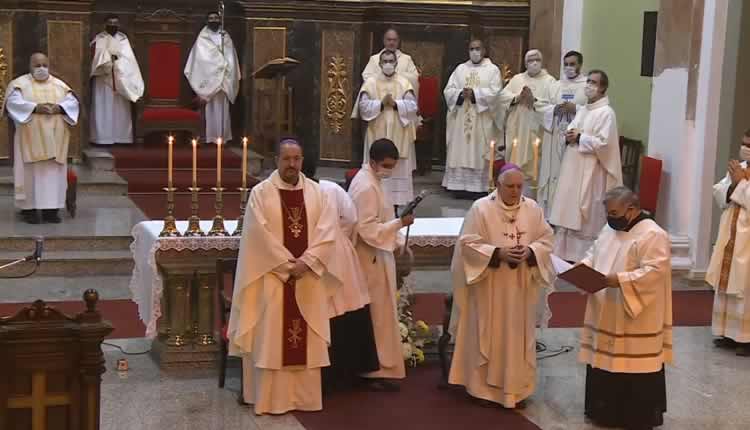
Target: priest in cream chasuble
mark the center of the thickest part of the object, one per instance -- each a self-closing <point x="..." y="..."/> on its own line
<point x="729" y="269"/>
<point x="43" y="108"/>
<point x="116" y="85"/>
<point x="627" y="333"/>
<point x="405" y="66"/>
<point x="213" y="71"/>
<point x="500" y="266"/>
<point x="473" y="120"/>
<point x="389" y="105"/>
<point x="280" y="307"/>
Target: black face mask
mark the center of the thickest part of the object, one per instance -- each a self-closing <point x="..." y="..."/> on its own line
<point x="214" y="26"/>
<point x="112" y="29"/>
<point x="620" y="223"/>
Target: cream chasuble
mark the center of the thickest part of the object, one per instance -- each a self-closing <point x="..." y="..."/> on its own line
<point x="471" y="127"/>
<point x="377" y="238"/>
<point x="553" y="145"/>
<point x="524" y="126"/>
<point x="116" y="84"/>
<point x="405" y="67"/>
<point x="344" y="264"/>
<point x="729" y="269"/>
<point x="40" y="141"/>
<point x="629" y="329"/>
<point x="589" y="169"/>
<point x="215" y="77"/>
<point x="255" y="326"/>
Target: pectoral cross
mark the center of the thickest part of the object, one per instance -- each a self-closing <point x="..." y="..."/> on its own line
<point x="295" y="333"/>
<point x="515" y="236"/>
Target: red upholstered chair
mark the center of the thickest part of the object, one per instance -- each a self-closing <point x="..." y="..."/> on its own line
<point x="162" y="111"/>
<point x="650" y="182"/>
<point x="429" y="108"/>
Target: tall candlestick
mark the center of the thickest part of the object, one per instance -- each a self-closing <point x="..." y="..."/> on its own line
<point x="492" y="164"/>
<point x="244" y="162"/>
<point x="169" y="162"/>
<point x="195" y="163"/>
<point x="536" y="157"/>
<point x="218" y="162"/>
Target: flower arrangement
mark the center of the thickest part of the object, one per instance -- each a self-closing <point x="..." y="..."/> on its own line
<point x="414" y="334"/>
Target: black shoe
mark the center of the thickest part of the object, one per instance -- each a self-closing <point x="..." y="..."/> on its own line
<point x="51" y="216"/>
<point x="381" y="385"/>
<point x="725" y="342"/>
<point x="31" y="216"/>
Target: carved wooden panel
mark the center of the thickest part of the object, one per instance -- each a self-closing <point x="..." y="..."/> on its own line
<point x="65" y="52"/>
<point x="506" y="49"/>
<point x="337" y="59"/>
<point x="427" y="56"/>
<point x="269" y="43"/>
<point x="6" y="74"/>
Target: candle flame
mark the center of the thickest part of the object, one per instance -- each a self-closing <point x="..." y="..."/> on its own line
<point x="244" y="140"/>
<point x="195" y="142"/>
<point x="218" y="141"/>
<point x="171" y="139"/>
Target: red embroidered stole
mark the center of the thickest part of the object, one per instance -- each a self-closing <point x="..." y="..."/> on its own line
<point x="295" y="240"/>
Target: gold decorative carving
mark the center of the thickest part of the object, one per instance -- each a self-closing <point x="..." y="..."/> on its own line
<point x="506" y="49"/>
<point x="427" y="56"/>
<point x="336" y="103"/>
<point x="3" y="75"/>
<point x="6" y="74"/>
<point x="506" y="73"/>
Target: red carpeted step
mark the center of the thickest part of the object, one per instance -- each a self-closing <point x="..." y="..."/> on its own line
<point x="139" y="157"/>
<point x="154" y="181"/>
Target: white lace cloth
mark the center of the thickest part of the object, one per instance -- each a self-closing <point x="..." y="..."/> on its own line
<point x="434" y="231"/>
<point x="146" y="284"/>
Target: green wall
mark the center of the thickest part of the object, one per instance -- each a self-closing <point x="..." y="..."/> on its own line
<point x="611" y="40"/>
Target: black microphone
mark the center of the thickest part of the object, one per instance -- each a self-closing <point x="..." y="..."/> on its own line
<point x="409" y="208"/>
<point x="38" y="249"/>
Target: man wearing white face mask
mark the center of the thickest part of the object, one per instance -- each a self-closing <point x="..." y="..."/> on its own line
<point x="568" y="94"/>
<point x="729" y="269"/>
<point x="590" y="167"/>
<point x="389" y="105"/>
<point x="405" y="66"/>
<point x="43" y="108"/>
<point x="525" y="98"/>
<point x="473" y="98"/>
<point x="378" y="237"/>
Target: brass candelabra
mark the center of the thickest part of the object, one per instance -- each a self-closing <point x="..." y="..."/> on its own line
<point x="194" y="222"/>
<point x="243" y="203"/>
<point x="170" y="224"/>
<point x="217" y="229"/>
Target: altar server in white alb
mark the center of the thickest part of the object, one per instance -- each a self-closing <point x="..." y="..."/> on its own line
<point x="627" y="331"/>
<point x="524" y="99"/>
<point x="590" y="167"/>
<point x="568" y="95"/>
<point x="280" y="305"/>
<point x="214" y="75"/>
<point x="116" y="85"/>
<point x="378" y="237"/>
<point x="729" y="269"/>
<point x="388" y="103"/>
<point x="353" y="350"/>
<point x="43" y="109"/>
<point x="500" y="265"/>
<point x="405" y="66"/>
<point x="472" y="96"/>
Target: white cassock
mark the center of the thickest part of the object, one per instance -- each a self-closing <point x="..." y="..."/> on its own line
<point x="377" y="238"/>
<point x="494" y="313"/>
<point x="553" y="145"/>
<point x="471" y="127"/>
<point x="589" y="169"/>
<point x="398" y="125"/>
<point x="40" y="142"/>
<point x="524" y="126"/>
<point x="729" y="269"/>
<point x="405" y="67"/>
<point x="629" y="329"/>
<point x="214" y="77"/>
<point x="344" y="265"/>
<point x="256" y="324"/>
<point x="116" y="84"/>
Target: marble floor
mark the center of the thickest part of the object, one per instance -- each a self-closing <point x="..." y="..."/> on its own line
<point x="707" y="389"/>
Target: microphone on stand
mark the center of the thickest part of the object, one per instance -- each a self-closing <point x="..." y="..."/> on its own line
<point x="38" y="249"/>
<point x="408" y="210"/>
<point x="36" y="257"/>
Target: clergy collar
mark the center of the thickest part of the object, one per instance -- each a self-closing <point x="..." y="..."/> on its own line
<point x="279" y="183"/>
<point x="641" y="217"/>
<point x="604" y="101"/>
<point x="496" y="196"/>
<point x="581" y="78"/>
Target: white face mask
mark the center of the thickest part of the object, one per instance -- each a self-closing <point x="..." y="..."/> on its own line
<point x="40" y="73"/>
<point x="591" y="90"/>
<point x="533" y="67"/>
<point x="570" y="72"/>
<point x="475" y="56"/>
<point x="744" y="153"/>
<point x="384" y="173"/>
<point x="388" y="69"/>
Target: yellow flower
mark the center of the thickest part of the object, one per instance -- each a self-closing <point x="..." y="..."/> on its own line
<point x="398" y="296"/>
<point x="419" y="354"/>
<point x="423" y="328"/>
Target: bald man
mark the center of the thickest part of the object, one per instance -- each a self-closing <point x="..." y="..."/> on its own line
<point x="43" y="108"/>
<point x="500" y="264"/>
<point x="405" y="65"/>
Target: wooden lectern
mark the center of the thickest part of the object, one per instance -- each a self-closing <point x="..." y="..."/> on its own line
<point x="275" y="70"/>
<point x="51" y="366"/>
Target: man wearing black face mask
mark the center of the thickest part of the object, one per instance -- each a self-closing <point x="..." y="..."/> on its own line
<point x="627" y="334"/>
<point x="213" y="72"/>
<point x="116" y="83"/>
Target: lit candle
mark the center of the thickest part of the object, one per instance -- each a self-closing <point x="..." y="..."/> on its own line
<point x="218" y="162"/>
<point x="492" y="160"/>
<point x="169" y="162"/>
<point x="515" y="143"/>
<point x="536" y="156"/>
<point x="195" y="163"/>
<point x="244" y="162"/>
